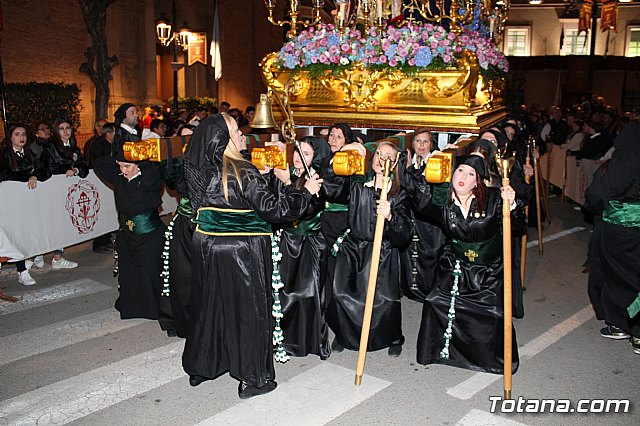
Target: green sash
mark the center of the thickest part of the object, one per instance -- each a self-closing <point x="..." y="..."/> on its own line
<point x="623" y="214"/>
<point x="184" y="208"/>
<point x="139" y="224"/>
<point x="306" y="227"/>
<point x="336" y="207"/>
<point x="483" y="253"/>
<point x="230" y="222"/>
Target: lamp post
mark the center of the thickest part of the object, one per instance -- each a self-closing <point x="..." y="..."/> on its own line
<point x="178" y="39"/>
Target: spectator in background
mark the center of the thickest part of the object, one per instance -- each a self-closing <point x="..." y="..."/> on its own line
<point x="595" y="145"/>
<point x="200" y="115"/>
<point x="126" y="121"/>
<point x="18" y="163"/>
<point x="157" y="130"/>
<point x="237" y="115"/>
<point x="575" y="139"/>
<point x="97" y="133"/>
<point x="224" y="106"/>
<point x="249" y="113"/>
<point x="183" y="115"/>
<point x="103" y="147"/>
<point x="149" y="115"/>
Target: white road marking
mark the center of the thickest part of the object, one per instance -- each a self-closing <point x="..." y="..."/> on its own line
<point x="55" y="336"/>
<point x="556" y="236"/>
<point x="314" y="397"/>
<point x="479" y="381"/>
<point x="84" y="394"/>
<point x="483" y="418"/>
<point x="28" y="299"/>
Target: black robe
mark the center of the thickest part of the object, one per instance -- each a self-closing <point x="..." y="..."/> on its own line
<point x="139" y="255"/>
<point x="614" y="249"/>
<point x="230" y="323"/>
<point x="303" y="269"/>
<point x="351" y="275"/>
<point x="477" y="337"/>
<point x="23" y="168"/>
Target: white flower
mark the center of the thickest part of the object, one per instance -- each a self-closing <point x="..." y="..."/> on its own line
<point x="344" y="60"/>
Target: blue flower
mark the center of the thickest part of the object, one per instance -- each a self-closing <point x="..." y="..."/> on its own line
<point x="423" y="57"/>
<point x="391" y="51"/>
<point x="332" y="40"/>
<point x="290" y="62"/>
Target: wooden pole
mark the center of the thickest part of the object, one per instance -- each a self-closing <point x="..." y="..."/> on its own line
<point x="506" y="256"/>
<point x="536" y="179"/>
<point x="373" y="278"/>
<point x="545" y="193"/>
<point x="523" y="244"/>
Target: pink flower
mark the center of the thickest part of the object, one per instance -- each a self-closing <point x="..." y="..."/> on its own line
<point x="383" y="59"/>
<point x="393" y="62"/>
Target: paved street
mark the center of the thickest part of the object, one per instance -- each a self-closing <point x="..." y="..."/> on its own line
<point x="66" y="357"/>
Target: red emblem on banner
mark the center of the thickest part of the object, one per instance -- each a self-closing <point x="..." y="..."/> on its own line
<point x="83" y="205"/>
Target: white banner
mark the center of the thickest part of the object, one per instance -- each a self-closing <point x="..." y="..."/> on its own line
<point x="58" y="213"/>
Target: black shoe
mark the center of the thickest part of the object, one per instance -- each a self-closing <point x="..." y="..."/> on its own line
<point x="395" y="351"/>
<point x="246" y="391"/>
<point x="336" y="346"/>
<point x="613" y="332"/>
<point x="171" y="332"/>
<point x="635" y="342"/>
<point x="196" y="380"/>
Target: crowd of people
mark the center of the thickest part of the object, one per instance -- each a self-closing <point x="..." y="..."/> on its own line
<point x="255" y="258"/>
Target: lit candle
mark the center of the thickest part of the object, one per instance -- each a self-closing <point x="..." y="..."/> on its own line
<point x="294" y="5"/>
<point x="343" y="13"/>
<point x="379" y="8"/>
<point x="395" y="6"/>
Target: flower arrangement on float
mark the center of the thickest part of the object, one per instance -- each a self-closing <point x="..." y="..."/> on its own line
<point x="410" y="48"/>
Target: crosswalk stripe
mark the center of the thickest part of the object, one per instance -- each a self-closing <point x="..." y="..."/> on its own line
<point x="314" y="397"/>
<point x="479" y="381"/>
<point x="556" y="236"/>
<point x="55" y="336"/>
<point x="477" y="417"/>
<point x="84" y="394"/>
<point x="28" y="299"/>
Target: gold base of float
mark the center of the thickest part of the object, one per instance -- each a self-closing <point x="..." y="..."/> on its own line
<point x="456" y="100"/>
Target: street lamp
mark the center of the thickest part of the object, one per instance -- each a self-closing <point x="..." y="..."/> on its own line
<point x="178" y="40"/>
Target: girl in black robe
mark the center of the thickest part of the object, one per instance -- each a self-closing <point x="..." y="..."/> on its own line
<point x="471" y="219"/>
<point x="230" y="323"/>
<point x="346" y="308"/>
<point x="303" y="265"/>
<point x="18" y="163"/>
<point x="614" y="249"/>
<point x="420" y="259"/>
<point x="139" y="241"/>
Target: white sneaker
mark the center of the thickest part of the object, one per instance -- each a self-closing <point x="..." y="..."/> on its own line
<point x="25" y="278"/>
<point x="38" y="261"/>
<point x="63" y="264"/>
<point x="28" y="264"/>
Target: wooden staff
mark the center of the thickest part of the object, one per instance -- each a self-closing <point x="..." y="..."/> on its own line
<point x="504" y="166"/>
<point x="536" y="180"/>
<point x="523" y="243"/>
<point x="373" y="277"/>
<point x="545" y="192"/>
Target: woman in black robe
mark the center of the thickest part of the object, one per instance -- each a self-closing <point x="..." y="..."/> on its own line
<point x="139" y="241"/>
<point x="420" y="259"/>
<point x="351" y="274"/>
<point x="303" y="265"/>
<point x="18" y="163"/>
<point x="230" y="323"/>
<point x="471" y="219"/>
<point x="614" y="249"/>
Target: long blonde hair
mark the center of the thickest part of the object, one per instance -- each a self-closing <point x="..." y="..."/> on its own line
<point x="232" y="160"/>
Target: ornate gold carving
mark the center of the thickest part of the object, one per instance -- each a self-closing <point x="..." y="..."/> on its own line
<point x="142" y="150"/>
<point x="360" y="84"/>
<point x="471" y="255"/>
<point x="348" y="163"/>
<point x="467" y="64"/>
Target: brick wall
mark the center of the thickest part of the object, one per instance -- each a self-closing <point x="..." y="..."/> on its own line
<point x="41" y="42"/>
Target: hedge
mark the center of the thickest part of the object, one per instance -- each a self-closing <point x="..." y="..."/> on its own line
<point x="28" y="102"/>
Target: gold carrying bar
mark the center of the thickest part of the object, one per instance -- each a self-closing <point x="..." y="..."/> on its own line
<point x="440" y="166"/>
<point x="155" y="149"/>
<point x="271" y="156"/>
<point x="348" y="163"/>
